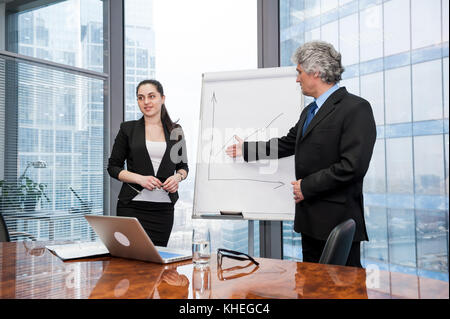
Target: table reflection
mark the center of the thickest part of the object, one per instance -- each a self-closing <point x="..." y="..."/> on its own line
<point x="171" y="285"/>
<point x="201" y="282"/>
<point x="33" y="250"/>
<point x="333" y="283"/>
<point x="236" y="271"/>
<point x="147" y="280"/>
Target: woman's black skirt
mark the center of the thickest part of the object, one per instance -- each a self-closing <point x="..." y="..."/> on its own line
<point x="155" y="218"/>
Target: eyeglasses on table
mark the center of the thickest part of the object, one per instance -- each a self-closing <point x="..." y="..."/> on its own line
<point x="221" y="252"/>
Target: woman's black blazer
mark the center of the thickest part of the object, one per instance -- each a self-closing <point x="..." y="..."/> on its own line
<point x="129" y="146"/>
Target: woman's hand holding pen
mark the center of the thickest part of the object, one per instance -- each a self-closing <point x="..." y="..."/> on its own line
<point x="235" y="150"/>
<point x="150" y="182"/>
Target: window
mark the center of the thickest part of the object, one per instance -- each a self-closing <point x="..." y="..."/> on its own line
<point x="330" y="33"/>
<point x="399" y="161"/>
<point x="372" y="90"/>
<point x="427" y="95"/>
<point x="401" y="232"/>
<point x="375" y="180"/>
<point x="51" y="146"/>
<point x="398" y="95"/>
<point x="427" y="23"/>
<point x="349" y="39"/>
<point x="371" y="33"/>
<point x="54" y="33"/>
<point x="396" y="27"/>
<point x="429" y="166"/>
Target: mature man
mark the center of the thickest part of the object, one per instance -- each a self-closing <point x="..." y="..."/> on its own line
<point x="333" y="143"/>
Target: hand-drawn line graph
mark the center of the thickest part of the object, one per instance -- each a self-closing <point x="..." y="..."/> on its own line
<point x="214" y="102"/>
<point x="247" y="137"/>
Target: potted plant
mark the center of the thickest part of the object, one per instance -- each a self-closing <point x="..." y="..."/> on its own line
<point x="10" y="197"/>
<point x="22" y="195"/>
<point x="32" y="192"/>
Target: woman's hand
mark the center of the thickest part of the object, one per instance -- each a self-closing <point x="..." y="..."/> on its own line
<point x="150" y="182"/>
<point x="171" y="183"/>
<point x="235" y="150"/>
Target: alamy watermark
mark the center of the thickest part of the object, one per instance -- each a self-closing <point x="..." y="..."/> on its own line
<point x="214" y="143"/>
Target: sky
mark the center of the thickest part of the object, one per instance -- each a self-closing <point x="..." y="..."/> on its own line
<point x="197" y="37"/>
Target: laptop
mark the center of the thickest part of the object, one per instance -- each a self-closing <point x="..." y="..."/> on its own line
<point x="125" y="237"/>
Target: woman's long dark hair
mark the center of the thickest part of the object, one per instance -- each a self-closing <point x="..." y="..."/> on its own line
<point x="165" y="118"/>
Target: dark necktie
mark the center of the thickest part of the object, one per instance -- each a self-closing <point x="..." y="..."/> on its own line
<point x="312" y="108"/>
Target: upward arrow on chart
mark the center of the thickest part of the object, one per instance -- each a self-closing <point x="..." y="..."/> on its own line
<point x="213" y="99"/>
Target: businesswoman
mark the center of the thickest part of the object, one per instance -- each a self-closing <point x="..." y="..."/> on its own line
<point x="154" y="150"/>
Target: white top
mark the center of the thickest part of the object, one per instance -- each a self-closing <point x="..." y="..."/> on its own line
<point x="156" y="152"/>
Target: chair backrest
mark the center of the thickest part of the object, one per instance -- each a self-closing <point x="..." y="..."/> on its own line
<point x="338" y="244"/>
<point x="4" y="234"/>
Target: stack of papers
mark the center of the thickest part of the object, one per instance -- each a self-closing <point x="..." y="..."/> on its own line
<point x="78" y="250"/>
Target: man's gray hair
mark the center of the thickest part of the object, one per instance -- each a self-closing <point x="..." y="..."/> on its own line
<point x="321" y="57"/>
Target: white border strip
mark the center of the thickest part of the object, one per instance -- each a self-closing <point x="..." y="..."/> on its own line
<point x="262" y="73"/>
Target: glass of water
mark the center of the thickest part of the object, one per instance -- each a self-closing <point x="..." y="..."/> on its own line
<point x="201" y="246"/>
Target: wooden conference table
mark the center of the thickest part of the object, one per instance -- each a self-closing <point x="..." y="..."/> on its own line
<point x="29" y="271"/>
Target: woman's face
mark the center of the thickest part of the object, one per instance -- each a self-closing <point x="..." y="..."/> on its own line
<point x="150" y="100"/>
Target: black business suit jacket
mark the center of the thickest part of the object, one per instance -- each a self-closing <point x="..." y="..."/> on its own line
<point x="129" y="146"/>
<point x="331" y="158"/>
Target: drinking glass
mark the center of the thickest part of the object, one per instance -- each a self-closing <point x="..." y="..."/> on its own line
<point x="201" y="246"/>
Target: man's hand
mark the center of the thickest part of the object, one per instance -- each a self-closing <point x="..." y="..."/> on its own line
<point x="235" y="150"/>
<point x="298" y="195"/>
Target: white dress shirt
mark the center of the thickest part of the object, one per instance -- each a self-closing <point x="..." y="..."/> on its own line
<point x="156" y="152"/>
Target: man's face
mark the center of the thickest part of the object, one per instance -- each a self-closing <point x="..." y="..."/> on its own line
<point x="306" y="81"/>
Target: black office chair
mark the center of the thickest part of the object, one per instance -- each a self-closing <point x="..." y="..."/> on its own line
<point x="338" y="244"/>
<point x="5" y="234"/>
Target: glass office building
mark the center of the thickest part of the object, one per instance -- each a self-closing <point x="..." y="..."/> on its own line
<point x="139" y="51"/>
<point x="395" y="55"/>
